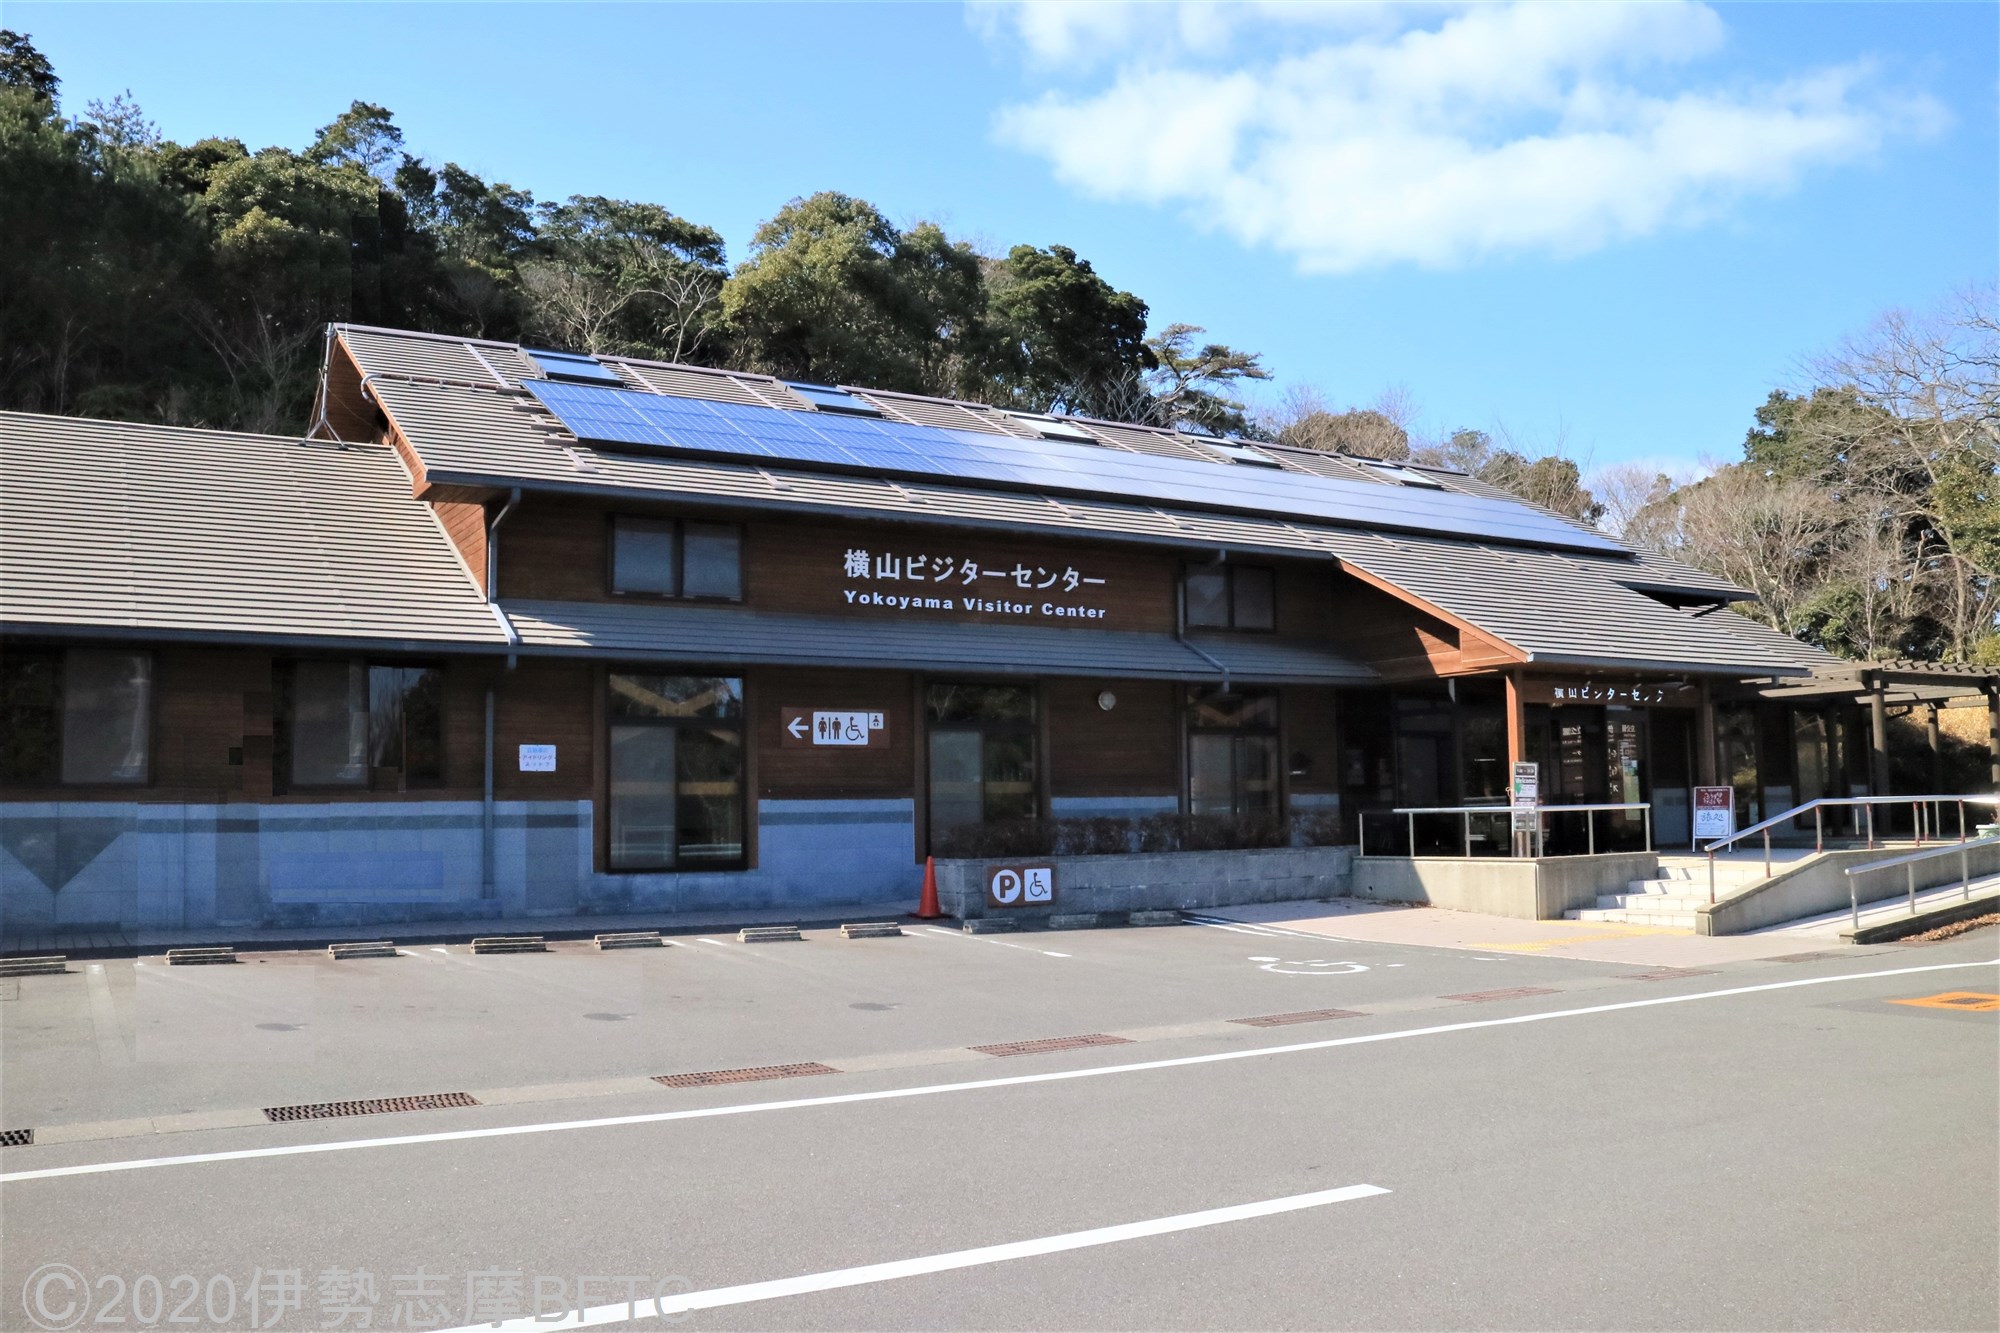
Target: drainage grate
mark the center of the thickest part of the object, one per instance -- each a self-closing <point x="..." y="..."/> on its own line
<point x="1302" y="1016"/>
<point x="707" y="1077"/>
<point x="1800" y="957"/>
<point x="429" y="1101"/>
<point x="1052" y="1044"/>
<point x="1511" y="993"/>
<point x="16" y="1138"/>
<point x="1669" y="974"/>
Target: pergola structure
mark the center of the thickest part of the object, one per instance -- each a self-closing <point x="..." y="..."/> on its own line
<point x="1899" y="682"/>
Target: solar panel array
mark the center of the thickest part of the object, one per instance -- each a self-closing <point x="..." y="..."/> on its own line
<point x="574" y="366"/>
<point x="891" y="448"/>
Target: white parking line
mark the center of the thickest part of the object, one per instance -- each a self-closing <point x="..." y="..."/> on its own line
<point x="974" y="1085"/>
<point x="981" y="939"/>
<point x="667" y="1307"/>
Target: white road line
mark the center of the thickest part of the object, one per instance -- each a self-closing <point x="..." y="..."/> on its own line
<point x="1259" y="928"/>
<point x="667" y="1306"/>
<point x="974" y="1085"/>
<point x="981" y="939"/>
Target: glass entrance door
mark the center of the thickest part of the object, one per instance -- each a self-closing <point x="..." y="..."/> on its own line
<point x="984" y="767"/>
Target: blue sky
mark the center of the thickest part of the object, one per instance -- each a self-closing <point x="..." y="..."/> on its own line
<point x="1616" y="227"/>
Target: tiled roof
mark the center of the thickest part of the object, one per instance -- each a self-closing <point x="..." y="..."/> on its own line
<point x="722" y="634"/>
<point x="1569" y="608"/>
<point x="116" y="527"/>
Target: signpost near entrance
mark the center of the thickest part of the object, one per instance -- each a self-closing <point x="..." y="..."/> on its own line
<point x="810" y="728"/>
<point x="1020" y="886"/>
<point x="1714" y="813"/>
<point x="1526" y="800"/>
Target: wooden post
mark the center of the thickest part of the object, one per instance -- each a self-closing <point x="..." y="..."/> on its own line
<point x="1993" y="731"/>
<point x="1937" y="750"/>
<point x="1517" y="722"/>
<point x="1704" y="739"/>
<point x="1878" y="736"/>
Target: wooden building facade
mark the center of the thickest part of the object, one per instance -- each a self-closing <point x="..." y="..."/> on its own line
<point x="452" y="655"/>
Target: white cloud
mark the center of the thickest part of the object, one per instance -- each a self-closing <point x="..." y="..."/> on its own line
<point x="1441" y="139"/>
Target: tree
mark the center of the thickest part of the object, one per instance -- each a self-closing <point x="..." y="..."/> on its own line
<point x="364" y="136"/>
<point x="1773" y="536"/>
<point x="24" y="68"/>
<point x="1070" y="340"/>
<point x="1187" y="388"/>
<point x="833" y="291"/>
<point x="617" y="276"/>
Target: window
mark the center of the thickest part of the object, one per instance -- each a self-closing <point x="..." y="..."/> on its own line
<point x="676" y="772"/>
<point x="357" y="724"/>
<point x="79" y="716"/>
<point x="1230" y="597"/>
<point x="1232" y="752"/>
<point x="574" y="367"/>
<point x="656" y="557"/>
<point x="982" y="755"/>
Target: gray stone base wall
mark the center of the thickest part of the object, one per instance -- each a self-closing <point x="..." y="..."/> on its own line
<point x="137" y="866"/>
<point x="1158" y="881"/>
<point x="810" y="854"/>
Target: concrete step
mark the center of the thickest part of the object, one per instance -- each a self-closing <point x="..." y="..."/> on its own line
<point x="1667" y="920"/>
<point x="1652" y="902"/>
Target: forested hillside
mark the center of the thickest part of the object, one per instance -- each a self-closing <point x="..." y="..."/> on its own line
<point x="191" y="283"/>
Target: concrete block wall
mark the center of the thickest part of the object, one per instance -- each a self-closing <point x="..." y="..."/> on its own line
<point x="1525" y="887"/>
<point x="1159" y="881"/>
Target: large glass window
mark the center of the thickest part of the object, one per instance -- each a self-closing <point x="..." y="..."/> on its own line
<point x="1232" y="752"/>
<point x="356" y="724"/>
<point x="656" y="557"/>
<point x="79" y="716"/>
<point x="677" y="780"/>
<point x="983" y="767"/>
<point x="1240" y="597"/>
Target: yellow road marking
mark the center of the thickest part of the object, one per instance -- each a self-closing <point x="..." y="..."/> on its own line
<point x="1971" y="1001"/>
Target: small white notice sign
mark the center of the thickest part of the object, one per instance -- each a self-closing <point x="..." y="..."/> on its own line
<point x="1714" y="812"/>
<point x="538" y="758"/>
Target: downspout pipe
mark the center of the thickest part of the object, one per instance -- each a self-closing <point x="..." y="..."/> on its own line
<point x="486" y="822"/>
<point x="493" y="572"/>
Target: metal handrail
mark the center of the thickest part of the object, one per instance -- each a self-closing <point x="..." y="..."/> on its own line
<point x="1867" y="803"/>
<point x="1468" y="811"/>
<point x="1909" y="860"/>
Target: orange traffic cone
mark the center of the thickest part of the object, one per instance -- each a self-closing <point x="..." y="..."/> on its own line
<point x="927" y="904"/>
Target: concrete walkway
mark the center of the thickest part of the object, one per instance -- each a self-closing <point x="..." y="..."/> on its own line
<point x="101" y="944"/>
<point x="1434" y="927"/>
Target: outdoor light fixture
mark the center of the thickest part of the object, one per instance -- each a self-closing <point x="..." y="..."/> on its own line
<point x="1106" y="700"/>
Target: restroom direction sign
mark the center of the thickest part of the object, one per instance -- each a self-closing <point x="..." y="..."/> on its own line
<point x="811" y="728"/>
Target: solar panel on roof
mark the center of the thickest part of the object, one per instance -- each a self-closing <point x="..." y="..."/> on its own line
<point x="828" y="399"/>
<point x="573" y="366"/>
<point x="880" y="447"/>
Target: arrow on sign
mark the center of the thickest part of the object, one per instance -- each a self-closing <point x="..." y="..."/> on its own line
<point x="797" y="726"/>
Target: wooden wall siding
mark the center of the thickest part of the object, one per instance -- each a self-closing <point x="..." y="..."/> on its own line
<point x="1304" y="608"/>
<point x="1129" y="751"/>
<point x="552" y="551"/>
<point x="795" y="567"/>
<point x="833" y="773"/>
<point x="348" y="410"/>
<point x="465" y="523"/>
<point x="1312" y="734"/>
<point x="558" y="551"/>
<point x="541" y="702"/>
<point x="1397" y="639"/>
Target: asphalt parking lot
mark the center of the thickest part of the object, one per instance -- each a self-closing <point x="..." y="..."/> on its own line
<point x="1401" y="1136"/>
